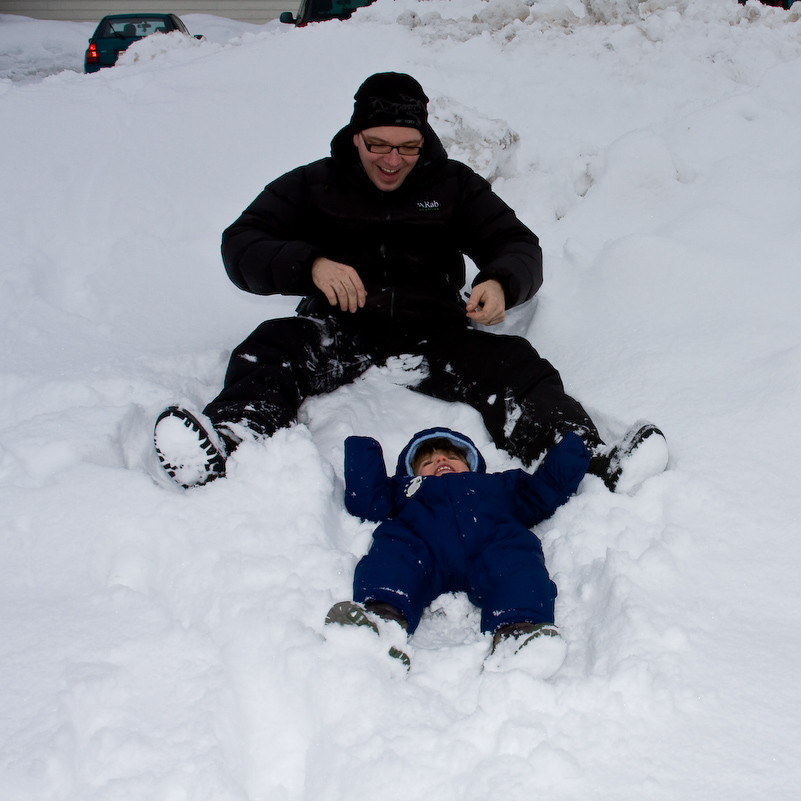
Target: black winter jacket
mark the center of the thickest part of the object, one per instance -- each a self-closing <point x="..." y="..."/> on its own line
<point x="406" y="245"/>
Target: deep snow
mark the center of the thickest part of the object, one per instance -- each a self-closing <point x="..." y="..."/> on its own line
<point x="169" y="645"/>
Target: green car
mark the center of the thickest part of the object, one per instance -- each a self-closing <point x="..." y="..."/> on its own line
<point x="118" y="32"/>
<point x="321" y="10"/>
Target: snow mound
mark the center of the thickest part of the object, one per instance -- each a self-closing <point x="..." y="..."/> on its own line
<point x="178" y="46"/>
<point x="167" y="644"/>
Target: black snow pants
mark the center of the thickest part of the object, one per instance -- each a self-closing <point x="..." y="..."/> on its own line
<point x="519" y="395"/>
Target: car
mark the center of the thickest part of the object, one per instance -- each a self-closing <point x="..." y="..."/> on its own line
<point x="777" y="3"/>
<point x="117" y="32"/>
<point x="321" y="10"/>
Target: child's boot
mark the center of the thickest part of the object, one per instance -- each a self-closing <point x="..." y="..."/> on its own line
<point x="536" y="648"/>
<point x="349" y="613"/>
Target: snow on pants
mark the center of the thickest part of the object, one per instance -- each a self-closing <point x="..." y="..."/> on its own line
<point x="505" y="576"/>
<point x="519" y="395"/>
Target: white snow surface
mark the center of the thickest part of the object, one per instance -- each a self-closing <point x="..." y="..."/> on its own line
<point x="169" y="645"/>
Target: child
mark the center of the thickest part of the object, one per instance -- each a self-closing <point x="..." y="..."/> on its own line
<point x="449" y="526"/>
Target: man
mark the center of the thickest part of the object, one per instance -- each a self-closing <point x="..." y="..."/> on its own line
<point x="373" y="237"/>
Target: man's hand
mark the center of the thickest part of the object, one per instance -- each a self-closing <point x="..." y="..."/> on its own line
<point x="487" y="303"/>
<point x="339" y="283"/>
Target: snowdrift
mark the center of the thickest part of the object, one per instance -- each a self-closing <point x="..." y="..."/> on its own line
<point x="169" y="645"/>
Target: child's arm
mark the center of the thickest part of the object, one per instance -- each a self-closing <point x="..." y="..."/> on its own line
<point x="368" y="492"/>
<point x="554" y="481"/>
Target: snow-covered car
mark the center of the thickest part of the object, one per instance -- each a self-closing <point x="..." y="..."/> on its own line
<point x="321" y="10"/>
<point x="117" y="32"/>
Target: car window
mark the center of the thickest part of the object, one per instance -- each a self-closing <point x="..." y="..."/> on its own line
<point x="344" y="8"/>
<point x="179" y="25"/>
<point x="345" y="5"/>
<point x="129" y="28"/>
<point x="319" y="10"/>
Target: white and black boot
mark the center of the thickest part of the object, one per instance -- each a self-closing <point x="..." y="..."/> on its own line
<point x="641" y="454"/>
<point x="189" y="448"/>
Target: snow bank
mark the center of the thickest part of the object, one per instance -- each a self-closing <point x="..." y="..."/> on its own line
<point x="167" y="644"/>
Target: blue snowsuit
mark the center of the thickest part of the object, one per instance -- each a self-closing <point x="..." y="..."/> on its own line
<point x="467" y="532"/>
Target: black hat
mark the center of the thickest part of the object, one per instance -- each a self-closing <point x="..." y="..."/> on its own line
<point x="389" y="98"/>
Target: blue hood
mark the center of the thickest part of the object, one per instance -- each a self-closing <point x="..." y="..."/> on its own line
<point x="474" y="458"/>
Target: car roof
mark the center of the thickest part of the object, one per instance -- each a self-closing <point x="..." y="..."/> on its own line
<point x="143" y="15"/>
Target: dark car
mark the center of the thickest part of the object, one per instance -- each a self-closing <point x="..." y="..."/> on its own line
<point x="776" y="3"/>
<point x="321" y="10"/>
<point x="118" y="32"/>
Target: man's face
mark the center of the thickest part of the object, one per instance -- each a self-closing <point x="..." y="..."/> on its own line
<point x="387" y="171"/>
<point x="439" y="463"/>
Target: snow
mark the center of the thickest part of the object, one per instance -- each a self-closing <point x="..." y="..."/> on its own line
<point x="166" y="644"/>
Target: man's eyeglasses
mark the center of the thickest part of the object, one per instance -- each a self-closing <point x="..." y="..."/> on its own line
<point x="383" y="150"/>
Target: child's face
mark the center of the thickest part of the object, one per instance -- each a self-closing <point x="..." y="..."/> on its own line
<point x="438" y="463"/>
